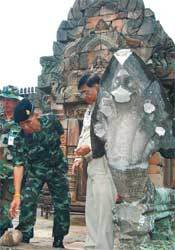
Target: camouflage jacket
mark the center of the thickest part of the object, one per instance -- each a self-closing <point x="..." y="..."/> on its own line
<point x="40" y="148"/>
<point x="8" y="131"/>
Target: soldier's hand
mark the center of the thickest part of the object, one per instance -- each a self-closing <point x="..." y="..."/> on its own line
<point x="83" y="150"/>
<point x="14" y="207"/>
<point x="77" y="163"/>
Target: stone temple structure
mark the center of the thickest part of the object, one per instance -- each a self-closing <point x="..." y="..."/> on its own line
<point x="86" y="42"/>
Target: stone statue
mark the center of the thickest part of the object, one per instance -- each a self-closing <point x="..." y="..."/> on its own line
<point x="86" y="42"/>
<point x="11" y="238"/>
<point x="132" y="119"/>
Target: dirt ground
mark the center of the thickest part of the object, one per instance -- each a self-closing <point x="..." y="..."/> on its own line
<point x="43" y="240"/>
<point x="43" y="235"/>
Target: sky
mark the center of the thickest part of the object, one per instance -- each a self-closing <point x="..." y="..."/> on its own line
<point x="28" y="29"/>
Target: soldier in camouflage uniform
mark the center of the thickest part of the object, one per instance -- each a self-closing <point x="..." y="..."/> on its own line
<point x="38" y="146"/>
<point x="8" y="129"/>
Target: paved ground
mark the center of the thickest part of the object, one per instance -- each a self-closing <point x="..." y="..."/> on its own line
<point x="75" y="240"/>
<point x="43" y="235"/>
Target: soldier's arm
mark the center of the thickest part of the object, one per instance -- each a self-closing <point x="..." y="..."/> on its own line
<point x="15" y="204"/>
<point x="17" y="153"/>
<point x="18" y="175"/>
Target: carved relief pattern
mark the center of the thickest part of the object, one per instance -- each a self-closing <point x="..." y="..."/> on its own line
<point x="86" y="41"/>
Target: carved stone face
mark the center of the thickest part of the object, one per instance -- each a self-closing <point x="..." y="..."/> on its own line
<point x="131" y="115"/>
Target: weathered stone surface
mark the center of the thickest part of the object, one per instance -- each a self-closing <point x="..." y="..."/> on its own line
<point x="138" y="29"/>
<point x="62" y="35"/>
<point x="135" y="15"/>
<point x="133" y="43"/>
<point x="50" y="74"/>
<point x="143" y="53"/>
<point x="118" y="25"/>
<point x="83" y="61"/>
<point x="147" y="27"/>
<point x="104" y="10"/>
<point x="92" y="22"/>
<point x="101" y="26"/>
<point x="58" y="48"/>
<point x="131" y="98"/>
<point x="137" y="219"/>
<point x="75" y="110"/>
<point x="131" y="183"/>
<point x="67" y="25"/>
<point x="148" y="12"/>
<point x="74" y="62"/>
<point x="134" y="5"/>
<point x="76" y="33"/>
<point x="86" y="42"/>
<point x="77" y="14"/>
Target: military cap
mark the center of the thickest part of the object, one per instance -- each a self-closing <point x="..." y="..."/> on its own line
<point x="23" y="110"/>
<point x="10" y="92"/>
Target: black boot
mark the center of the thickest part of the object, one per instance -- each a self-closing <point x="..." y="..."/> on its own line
<point x="25" y="236"/>
<point x="3" y="231"/>
<point x="58" y="242"/>
<point x="26" y="240"/>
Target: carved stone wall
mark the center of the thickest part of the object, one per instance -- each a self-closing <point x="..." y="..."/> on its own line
<point x="86" y="41"/>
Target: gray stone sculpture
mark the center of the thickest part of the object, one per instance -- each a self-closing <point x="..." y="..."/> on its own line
<point x="132" y="119"/>
<point x="85" y="42"/>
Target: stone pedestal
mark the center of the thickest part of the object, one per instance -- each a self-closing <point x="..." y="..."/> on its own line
<point x="130" y="183"/>
<point x="147" y="225"/>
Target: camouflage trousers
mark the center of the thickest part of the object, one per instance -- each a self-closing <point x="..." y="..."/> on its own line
<point x="6" y="194"/>
<point x="58" y="186"/>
